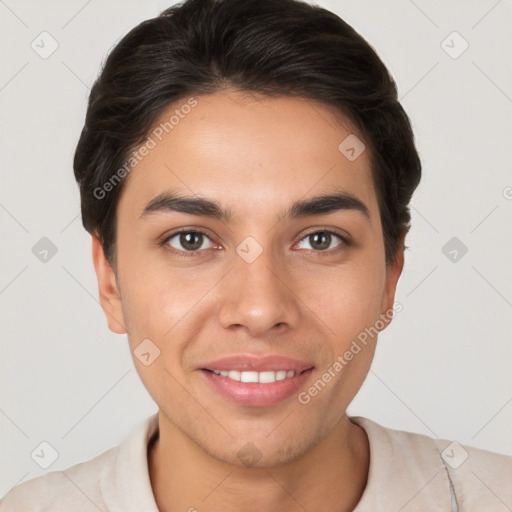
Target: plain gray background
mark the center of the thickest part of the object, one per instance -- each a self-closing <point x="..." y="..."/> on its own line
<point x="442" y="368"/>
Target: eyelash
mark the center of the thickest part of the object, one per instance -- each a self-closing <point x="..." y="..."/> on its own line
<point x="188" y="254"/>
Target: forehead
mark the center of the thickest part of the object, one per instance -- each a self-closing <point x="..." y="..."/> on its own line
<point x="249" y="150"/>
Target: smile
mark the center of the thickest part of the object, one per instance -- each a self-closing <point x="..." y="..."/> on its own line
<point x="265" y="377"/>
<point x="256" y="389"/>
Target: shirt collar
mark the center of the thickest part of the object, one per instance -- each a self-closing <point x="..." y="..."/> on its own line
<point x="406" y="471"/>
<point x="129" y="486"/>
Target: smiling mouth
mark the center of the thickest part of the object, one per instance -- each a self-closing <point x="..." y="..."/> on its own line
<point x="256" y="388"/>
<point x="263" y="377"/>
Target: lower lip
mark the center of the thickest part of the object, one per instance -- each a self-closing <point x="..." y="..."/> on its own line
<point x="254" y="394"/>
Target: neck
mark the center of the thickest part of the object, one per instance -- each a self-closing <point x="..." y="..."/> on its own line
<point x="329" y="477"/>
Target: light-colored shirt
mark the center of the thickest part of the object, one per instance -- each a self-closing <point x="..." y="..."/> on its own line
<point x="408" y="472"/>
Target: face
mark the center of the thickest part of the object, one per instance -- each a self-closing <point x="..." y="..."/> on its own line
<point x="278" y="288"/>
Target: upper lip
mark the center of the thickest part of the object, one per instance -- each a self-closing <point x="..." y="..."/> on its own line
<point x="246" y="362"/>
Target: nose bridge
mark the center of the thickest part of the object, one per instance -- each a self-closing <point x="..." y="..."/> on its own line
<point x="257" y="294"/>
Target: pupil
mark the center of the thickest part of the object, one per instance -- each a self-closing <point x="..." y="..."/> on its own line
<point x="322" y="240"/>
<point x="186" y="240"/>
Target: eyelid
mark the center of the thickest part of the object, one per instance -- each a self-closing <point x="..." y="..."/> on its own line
<point x="326" y="229"/>
<point x="187" y="229"/>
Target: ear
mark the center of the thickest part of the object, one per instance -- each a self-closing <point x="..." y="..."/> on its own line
<point x="110" y="298"/>
<point x="393" y="272"/>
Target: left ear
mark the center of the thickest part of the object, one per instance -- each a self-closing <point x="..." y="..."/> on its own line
<point x="393" y="272"/>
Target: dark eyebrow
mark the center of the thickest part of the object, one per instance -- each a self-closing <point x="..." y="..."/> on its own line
<point x="329" y="203"/>
<point x="321" y="205"/>
<point x="173" y="202"/>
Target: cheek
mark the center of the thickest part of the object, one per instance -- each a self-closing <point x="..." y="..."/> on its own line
<point x="156" y="305"/>
<point x="347" y="299"/>
<point x="161" y="301"/>
<point x="350" y="307"/>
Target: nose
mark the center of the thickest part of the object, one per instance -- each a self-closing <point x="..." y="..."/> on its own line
<point x="258" y="296"/>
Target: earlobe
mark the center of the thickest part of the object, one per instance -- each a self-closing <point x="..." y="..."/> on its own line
<point x="110" y="298"/>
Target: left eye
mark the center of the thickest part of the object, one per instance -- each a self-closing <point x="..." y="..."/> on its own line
<point x="321" y="240"/>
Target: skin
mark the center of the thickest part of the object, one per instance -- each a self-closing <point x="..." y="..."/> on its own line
<point x="256" y="156"/>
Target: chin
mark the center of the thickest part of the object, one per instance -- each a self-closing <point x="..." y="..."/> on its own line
<point x="259" y="453"/>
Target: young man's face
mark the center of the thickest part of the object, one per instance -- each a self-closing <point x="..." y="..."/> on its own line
<point x="258" y="283"/>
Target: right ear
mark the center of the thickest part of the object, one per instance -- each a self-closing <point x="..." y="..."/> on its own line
<point x="110" y="298"/>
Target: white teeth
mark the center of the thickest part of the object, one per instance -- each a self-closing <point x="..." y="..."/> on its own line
<point x="249" y="376"/>
<point x="266" y="377"/>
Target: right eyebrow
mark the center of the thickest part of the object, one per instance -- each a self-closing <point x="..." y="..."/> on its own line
<point x="172" y="202"/>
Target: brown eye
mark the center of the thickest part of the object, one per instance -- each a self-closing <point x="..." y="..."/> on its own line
<point x="190" y="241"/>
<point x="322" y="240"/>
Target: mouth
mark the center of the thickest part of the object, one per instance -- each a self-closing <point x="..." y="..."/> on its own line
<point x="252" y="388"/>
<point x="264" y="377"/>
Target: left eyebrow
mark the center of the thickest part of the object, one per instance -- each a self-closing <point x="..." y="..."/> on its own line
<point x="325" y="204"/>
<point x="320" y="205"/>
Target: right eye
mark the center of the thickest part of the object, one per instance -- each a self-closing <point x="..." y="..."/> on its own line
<point x="188" y="241"/>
